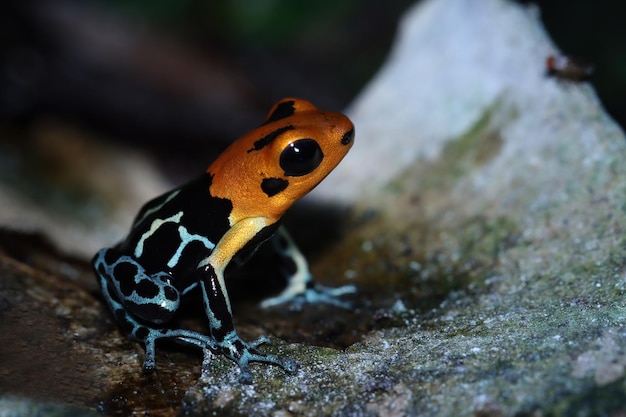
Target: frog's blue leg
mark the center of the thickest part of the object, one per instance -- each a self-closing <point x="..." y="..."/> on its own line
<point x="125" y="290"/>
<point x="229" y="344"/>
<point x="300" y="285"/>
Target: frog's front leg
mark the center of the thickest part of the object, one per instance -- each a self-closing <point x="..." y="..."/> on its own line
<point x="140" y="303"/>
<point x="217" y="304"/>
<point x="301" y="288"/>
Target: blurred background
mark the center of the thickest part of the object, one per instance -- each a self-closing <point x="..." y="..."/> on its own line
<point x="181" y="79"/>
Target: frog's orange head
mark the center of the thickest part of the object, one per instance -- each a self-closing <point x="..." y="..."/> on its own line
<point x="267" y="170"/>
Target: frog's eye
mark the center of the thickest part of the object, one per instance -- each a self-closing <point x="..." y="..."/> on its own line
<point x="301" y="157"/>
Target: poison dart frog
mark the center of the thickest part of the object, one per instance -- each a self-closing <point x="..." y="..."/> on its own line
<point x="185" y="239"/>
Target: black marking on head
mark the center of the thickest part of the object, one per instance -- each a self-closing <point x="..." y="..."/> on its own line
<point x="273" y="186"/>
<point x="282" y="111"/>
<point x="269" y="138"/>
<point x="348" y="137"/>
<point x="301" y="157"/>
<point x="147" y="289"/>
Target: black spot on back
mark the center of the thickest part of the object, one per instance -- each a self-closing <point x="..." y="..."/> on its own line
<point x="159" y="248"/>
<point x="282" y="111"/>
<point x="273" y="186"/>
<point x="124" y="273"/>
<point x="269" y="138"/>
<point x="205" y="214"/>
<point x="190" y="257"/>
<point x="110" y="256"/>
<point x="147" y="289"/>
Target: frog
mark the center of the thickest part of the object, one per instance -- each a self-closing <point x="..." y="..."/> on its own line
<point x="183" y="240"/>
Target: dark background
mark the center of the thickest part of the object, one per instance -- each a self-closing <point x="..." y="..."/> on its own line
<point x="183" y="77"/>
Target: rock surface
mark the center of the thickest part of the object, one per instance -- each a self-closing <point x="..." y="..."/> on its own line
<point x="497" y="239"/>
<point x="486" y="241"/>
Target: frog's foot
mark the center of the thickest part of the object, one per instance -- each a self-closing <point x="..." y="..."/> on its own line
<point x="181" y="335"/>
<point x="242" y="353"/>
<point x="312" y="294"/>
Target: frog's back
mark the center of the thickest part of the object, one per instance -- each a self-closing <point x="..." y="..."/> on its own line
<point x="175" y="231"/>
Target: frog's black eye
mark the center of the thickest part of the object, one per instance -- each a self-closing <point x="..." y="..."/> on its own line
<point x="301" y="157"/>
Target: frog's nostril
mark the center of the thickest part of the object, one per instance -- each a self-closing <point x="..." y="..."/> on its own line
<point x="348" y="137"/>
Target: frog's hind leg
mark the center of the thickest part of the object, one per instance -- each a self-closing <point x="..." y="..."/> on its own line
<point x="148" y="336"/>
<point x="301" y="288"/>
<point x="116" y="274"/>
<point x="151" y="297"/>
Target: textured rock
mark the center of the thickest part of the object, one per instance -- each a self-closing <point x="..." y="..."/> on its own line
<point x="493" y="268"/>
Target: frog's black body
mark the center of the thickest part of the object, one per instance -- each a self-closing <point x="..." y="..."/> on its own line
<point x="202" y="215"/>
<point x="185" y="239"/>
<point x="144" y="288"/>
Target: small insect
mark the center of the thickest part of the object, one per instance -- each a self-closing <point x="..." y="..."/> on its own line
<point x="568" y="68"/>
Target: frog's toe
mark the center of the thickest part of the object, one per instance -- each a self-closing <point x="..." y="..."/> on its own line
<point x="291" y="367"/>
<point x="245" y="377"/>
<point x="252" y="355"/>
<point x="148" y="365"/>
<point x="315" y="294"/>
<point x="262" y="340"/>
<point x="243" y="353"/>
<point x="329" y="295"/>
<point x="320" y="294"/>
<point x="149" y="361"/>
